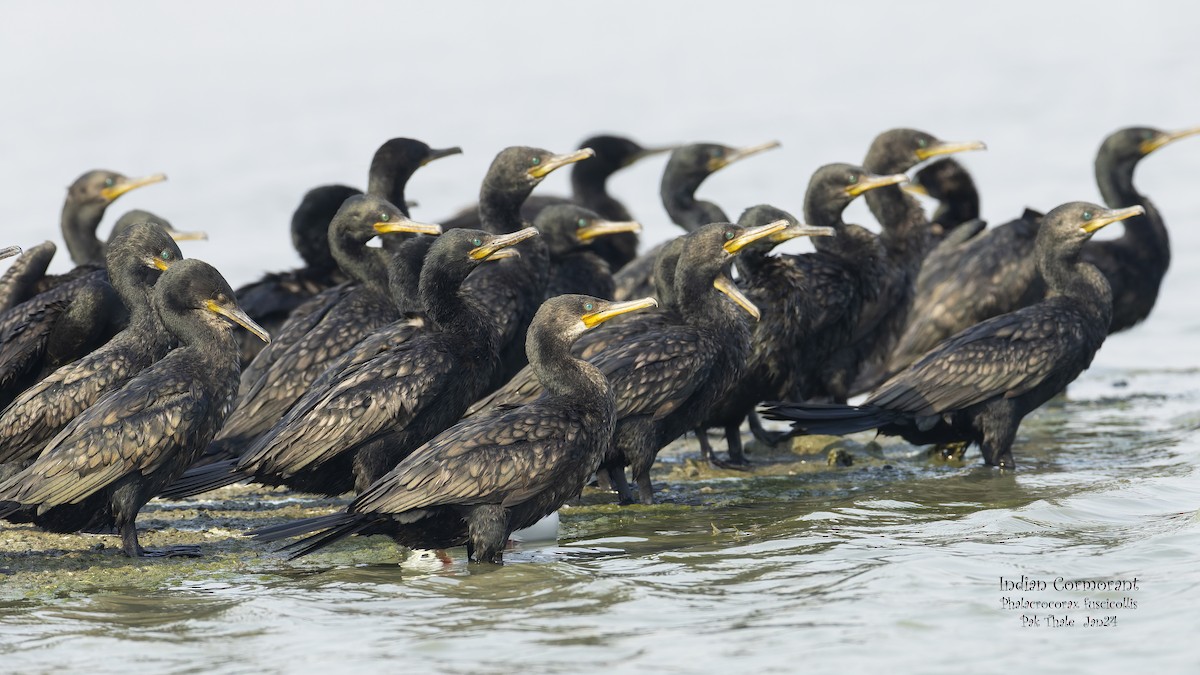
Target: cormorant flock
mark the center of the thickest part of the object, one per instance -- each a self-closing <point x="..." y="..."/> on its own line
<point x="466" y="379"/>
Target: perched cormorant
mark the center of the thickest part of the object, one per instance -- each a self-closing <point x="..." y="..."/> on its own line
<point x="273" y="298"/>
<point x="687" y="168"/>
<point x="488" y="476"/>
<point x="110" y="460"/>
<point x="68" y="321"/>
<point x="572" y="234"/>
<point x="309" y="342"/>
<point x="809" y="302"/>
<point x="994" y="273"/>
<point x="135" y="259"/>
<point x="906" y="239"/>
<point x="958" y="201"/>
<point x="87" y="200"/>
<point x="668" y="374"/>
<point x="589" y="188"/>
<point x="375" y="412"/>
<point x="978" y="385"/>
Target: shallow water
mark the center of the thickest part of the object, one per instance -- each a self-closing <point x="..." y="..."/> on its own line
<point x="896" y="559"/>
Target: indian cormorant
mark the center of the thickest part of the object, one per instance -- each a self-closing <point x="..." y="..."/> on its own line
<point x="373" y="413"/>
<point x="978" y="385"/>
<point x="572" y="234"/>
<point x="488" y="476"/>
<point x="589" y="188"/>
<point x="135" y="259"/>
<point x="110" y="460"/>
<point x="687" y="168"/>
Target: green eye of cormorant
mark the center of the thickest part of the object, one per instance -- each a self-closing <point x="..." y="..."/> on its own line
<point x="1087" y="215"/>
<point x="477" y="243"/>
<point x="718" y="153"/>
<point x="535" y="161"/>
<point x="166" y="254"/>
<point x="921" y="142"/>
<point x="852" y="179"/>
<point x="588" y="306"/>
<point x="582" y="222"/>
<point x="383" y="217"/>
<point x="728" y="234"/>
<point x="108" y="182"/>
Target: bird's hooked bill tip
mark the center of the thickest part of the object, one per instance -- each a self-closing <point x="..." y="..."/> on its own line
<point x="440" y="153"/>
<point x="1109" y="217"/>
<point x="112" y="192"/>
<point x="544" y="167"/>
<point x="601" y="228"/>
<point x="592" y="319"/>
<point x="238" y="315"/>
<point x="949" y="148"/>
<point x="1164" y="138"/>
<point x="753" y="234"/>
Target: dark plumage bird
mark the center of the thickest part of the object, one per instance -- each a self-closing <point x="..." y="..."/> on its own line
<point x="482" y="479"/>
<point x="109" y="461"/>
<point x="135" y="259"/>
<point x="978" y="385"/>
<point x="687" y="168"/>
<point x="572" y="234"/>
<point x="994" y="273"/>
<point x="958" y="200"/>
<point x="338" y="320"/>
<point x="589" y="188"/>
<point x="373" y="413"/>
<point x="809" y="303"/>
<point x="70" y="319"/>
<point x="906" y="239"/>
<point x="273" y="298"/>
<point x="669" y="373"/>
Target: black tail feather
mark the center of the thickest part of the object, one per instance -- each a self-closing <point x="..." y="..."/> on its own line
<point x="296" y="528"/>
<point x="350" y="527"/>
<point x="201" y="479"/>
<point x="831" y="419"/>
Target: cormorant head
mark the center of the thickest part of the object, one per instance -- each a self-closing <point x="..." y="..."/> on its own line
<point x="310" y="223"/>
<point x="574" y="314"/>
<point x="518" y="169"/>
<point x="706" y="255"/>
<point x="364" y="217"/>
<point x="396" y="161"/>
<point x="690" y="164"/>
<point x="137" y="254"/>
<point x="9" y="251"/>
<point x="139" y="216"/>
<point x="898" y="150"/>
<point x="92" y="192"/>
<point x="193" y="289"/>
<point x="613" y="153"/>
<point x="460" y="250"/>
<point x="834" y="186"/>
<point x="567" y="227"/>
<point x="1066" y="228"/>
<point x="765" y="214"/>
<point x="1125" y="147"/>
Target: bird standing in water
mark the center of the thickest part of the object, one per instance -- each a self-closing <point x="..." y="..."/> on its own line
<point x="112" y="459"/>
<point x="978" y="385"/>
<point x="485" y="477"/>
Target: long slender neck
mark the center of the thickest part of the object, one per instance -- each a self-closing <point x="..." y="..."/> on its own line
<point x="79" y="223"/>
<point x="679" y="199"/>
<point x="134" y="284"/>
<point x="560" y="373"/>
<point x="390" y="186"/>
<point x="1080" y="282"/>
<point x="500" y="209"/>
<point x="905" y="229"/>
<point x="445" y="301"/>
<point x="360" y="262"/>
<point x="1146" y="232"/>
<point x="591" y="190"/>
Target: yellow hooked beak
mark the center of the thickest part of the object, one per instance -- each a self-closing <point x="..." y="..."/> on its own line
<point x="601" y="228"/>
<point x="740" y="153"/>
<point x="1109" y="217"/>
<point x="871" y="182"/>
<point x="593" y="319"/>
<point x="943" y="148"/>
<point x="127" y="184"/>
<point x="157" y="263"/>
<point x="725" y="285"/>
<point x="800" y="230"/>
<point x="754" y="234"/>
<point x="438" y="154"/>
<point x="402" y="224"/>
<point x="1162" y="139"/>
<point x="498" y="247"/>
<point x="9" y="251"/>
<point x="557" y="161"/>
<point x="236" y="315"/>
